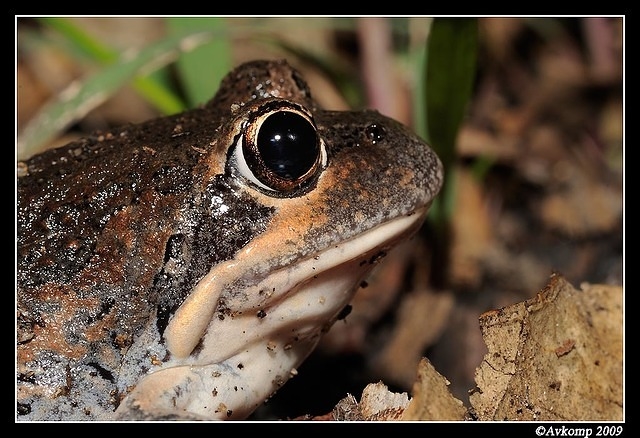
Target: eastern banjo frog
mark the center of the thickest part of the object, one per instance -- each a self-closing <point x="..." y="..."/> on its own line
<point x="184" y="267"/>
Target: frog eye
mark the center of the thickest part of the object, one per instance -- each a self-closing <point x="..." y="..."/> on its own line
<point x="280" y="150"/>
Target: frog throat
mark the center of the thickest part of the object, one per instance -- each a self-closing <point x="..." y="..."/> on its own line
<point x="308" y="292"/>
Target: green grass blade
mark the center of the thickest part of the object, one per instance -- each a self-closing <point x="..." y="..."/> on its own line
<point x="79" y="98"/>
<point x="202" y="69"/>
<point x="153" y="88"/>
<point x="81" y="40"/>
<point x="449" y="75"/>
<point x="450" y="71"/>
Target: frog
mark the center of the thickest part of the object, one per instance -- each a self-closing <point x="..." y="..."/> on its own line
<point x="183" y="268"/>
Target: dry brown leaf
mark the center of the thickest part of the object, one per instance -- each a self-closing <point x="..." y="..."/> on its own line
<point x="472" y="231"/>
<point x="474" y="141"/>
<point x="421" y="318"/>
<point x="432" y="400"/>
<point x="584" y="207"/>
<point x="557" y="356"/>
<point x="376" y="404"/>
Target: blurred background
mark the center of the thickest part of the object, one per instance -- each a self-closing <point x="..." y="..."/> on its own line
<point x="526" y="113"/>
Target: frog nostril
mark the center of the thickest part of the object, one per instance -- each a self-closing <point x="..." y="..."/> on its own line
<point x="375" y="133"/>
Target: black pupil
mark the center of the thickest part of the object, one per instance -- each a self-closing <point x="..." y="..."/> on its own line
<point x="288" y="145"/>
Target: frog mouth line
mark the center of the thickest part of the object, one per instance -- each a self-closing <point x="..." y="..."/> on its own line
<point x="296" y="301"/>
<point x="352" y="258"/>
<point x="311" y="293"/>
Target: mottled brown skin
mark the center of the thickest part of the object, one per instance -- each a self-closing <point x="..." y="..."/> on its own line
<point x="115" y="230"/>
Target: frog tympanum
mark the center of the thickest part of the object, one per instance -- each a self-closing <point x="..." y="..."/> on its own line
<point x="183" y="268"/>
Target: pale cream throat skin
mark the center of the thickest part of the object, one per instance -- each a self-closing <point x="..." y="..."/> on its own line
<point x="192" y="275"/>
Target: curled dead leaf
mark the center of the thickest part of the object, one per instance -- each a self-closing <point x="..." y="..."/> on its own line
<point x="557" y="356"/>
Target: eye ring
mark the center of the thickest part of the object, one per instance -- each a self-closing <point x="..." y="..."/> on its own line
<point x="279" y="150"/>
